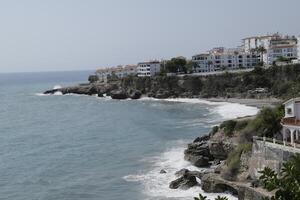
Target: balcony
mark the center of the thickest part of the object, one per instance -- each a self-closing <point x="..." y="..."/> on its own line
<point x="290" y="121"/>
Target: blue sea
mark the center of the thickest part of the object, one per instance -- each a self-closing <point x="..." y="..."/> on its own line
<point x="55" y="147"/>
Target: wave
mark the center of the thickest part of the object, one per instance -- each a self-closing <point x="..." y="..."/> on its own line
<point x="57" y="87"/>
<point x="156" y="185"/>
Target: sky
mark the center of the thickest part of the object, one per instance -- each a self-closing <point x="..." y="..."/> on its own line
<point x="59" y="35"/>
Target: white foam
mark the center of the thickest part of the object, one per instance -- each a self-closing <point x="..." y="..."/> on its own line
<point x="41" y="94"/>
<point x="156" y="185"/>
<point x="57" y="87"/>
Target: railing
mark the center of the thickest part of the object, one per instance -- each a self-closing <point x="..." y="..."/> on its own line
<point x="278" y="142"/>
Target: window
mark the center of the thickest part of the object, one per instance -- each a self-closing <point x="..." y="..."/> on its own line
<point x="289" y="111"/>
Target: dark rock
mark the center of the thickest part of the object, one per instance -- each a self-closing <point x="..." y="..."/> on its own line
<point x="186" y="172"/>
<point x="254" y="183"/>
<point x="93" y="78"/>
<point x="184" y="182"/>
<point x="162" y="171"/>
<point x="118" y="94"/>
<point x="219" y="149"/>
<point x="100" y="95"/>
<point x="202" y="138"/>
<point x="135" y="95"/>
<point x="198" y="154"/>
<point x="162" y="94"/>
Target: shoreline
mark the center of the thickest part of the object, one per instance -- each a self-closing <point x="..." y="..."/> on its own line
<point x="259" y="103"/>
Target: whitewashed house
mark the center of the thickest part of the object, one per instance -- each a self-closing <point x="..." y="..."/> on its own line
<point x="120" y="72"/>
<point x="291" y="121"/>
<point x="275" y="46"/>
<point x="150" y="68"/>
<point x="221" y="58"/>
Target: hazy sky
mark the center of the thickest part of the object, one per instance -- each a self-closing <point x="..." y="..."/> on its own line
<point x="47" y="35"/>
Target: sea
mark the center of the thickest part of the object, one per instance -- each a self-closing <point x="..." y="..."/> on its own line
<point x="71" y="147"/>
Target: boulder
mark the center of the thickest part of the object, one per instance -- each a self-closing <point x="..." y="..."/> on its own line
<point x="198" y="154"/>
<point x="162" y="171"/>
<point x="184" y="182"/>
<point x="162" y="94"/>
<point x="219" y="150"/>
<point x="118" y="94"/>
<point x="184" y="172"/>
<point x="135" y="95"/>
<point x="202" y="138"/>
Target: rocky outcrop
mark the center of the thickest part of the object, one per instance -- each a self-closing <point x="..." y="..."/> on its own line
<point x="198" y="154"/>
<point x="118" y="94"/>
<point x="220" y="149"/>
<point x="214" y="183"/>
<point x="186" y="180"/>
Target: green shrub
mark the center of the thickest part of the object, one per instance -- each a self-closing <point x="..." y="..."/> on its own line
<point x="214" y="130"/>
<point x="240" y="125"/>
<point x="228" y="127"/>
<point x="233" y="160"/>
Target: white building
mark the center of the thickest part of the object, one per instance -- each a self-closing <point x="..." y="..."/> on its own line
<point x="275" y="46"/>
<point x="148" y="68"/>
<point x="291" y="121"/>
<point x="120" y="72"/>
<point x="220" y="58"/>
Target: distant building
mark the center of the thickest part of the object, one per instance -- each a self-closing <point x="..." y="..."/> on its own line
<point x="148" y="68"/>
<point x="220" y="58"/>
<point x="120" y="72"/>
<point x="291" y="121"/>
<point x="275" y="46"/>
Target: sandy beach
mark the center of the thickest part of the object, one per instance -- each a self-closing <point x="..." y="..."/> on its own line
<point x="259" y="103"/>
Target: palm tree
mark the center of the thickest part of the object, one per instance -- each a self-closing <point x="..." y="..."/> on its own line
<point x="221" y="198"/>
<point x="261" y="50"/>
<point x="236" y="53"/>
<point x="201" y="197"/>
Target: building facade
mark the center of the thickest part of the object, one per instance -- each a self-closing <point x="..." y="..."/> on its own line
<point x="220" y="58"/>
<point x="119" y="72"/>
<point x="148" y="68"/>
<point x="275" y="46"/>
<point x="291" y="121"/>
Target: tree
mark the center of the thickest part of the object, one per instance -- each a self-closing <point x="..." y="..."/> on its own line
<point x="287" y="184"/>
<point x="201" y="197"/>
<point x="261" y="50"/>
<point x="176" y="65"/>
<point x="190" y="66"/>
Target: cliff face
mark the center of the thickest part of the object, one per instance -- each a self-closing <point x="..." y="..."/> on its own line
<point x="226" y="85"/>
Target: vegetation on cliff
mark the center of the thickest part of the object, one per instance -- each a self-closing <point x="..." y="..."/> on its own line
<point x="241" y="132"/>
<point x="286" y="184"/>
<point x="277" y="81"/>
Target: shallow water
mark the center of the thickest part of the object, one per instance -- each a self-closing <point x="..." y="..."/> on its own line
<point x="79" y="147"/>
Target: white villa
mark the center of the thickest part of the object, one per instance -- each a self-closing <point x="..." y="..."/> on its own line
<point x="291" y="121"/>
<point x="221" y="58"/>
<point x="120" y="71"/>
<point x="275" y="46"/>
<point x="150" y="68"/>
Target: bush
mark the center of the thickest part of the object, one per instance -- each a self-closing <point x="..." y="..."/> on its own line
<point x="240" y="125"/>
<point x="233" y="160"/>
<point x="228" y="127"/>
<point x="214" y="130"/>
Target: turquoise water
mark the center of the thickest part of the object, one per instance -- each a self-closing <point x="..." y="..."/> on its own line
<point x="80" y="147"/>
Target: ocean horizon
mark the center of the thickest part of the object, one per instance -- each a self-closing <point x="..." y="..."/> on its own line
<point x="86" y="147"/>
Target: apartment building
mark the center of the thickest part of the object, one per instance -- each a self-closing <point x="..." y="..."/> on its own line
<point x="275" y="46"/>
<point x="120" y="72"/>
<point x="220" y="58"/>
<point x="148" y="68"/>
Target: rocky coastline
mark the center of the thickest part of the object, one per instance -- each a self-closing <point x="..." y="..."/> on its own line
<point x="209" y="151"/>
